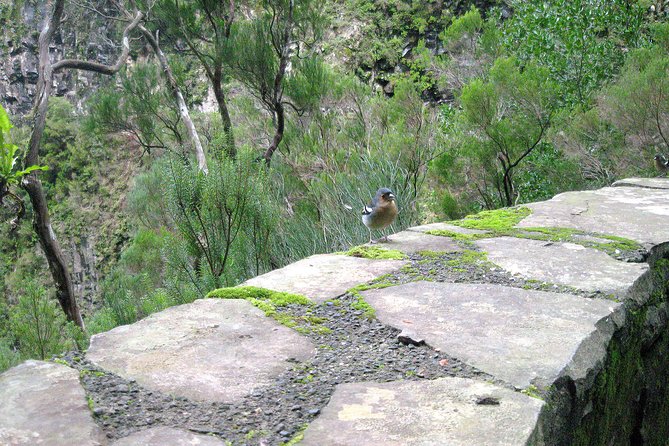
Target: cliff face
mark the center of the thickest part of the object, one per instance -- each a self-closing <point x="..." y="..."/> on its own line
<point x="92" y="244"/>
<point x="83" y="34"/>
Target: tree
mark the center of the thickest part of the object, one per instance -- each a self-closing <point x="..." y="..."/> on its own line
<point x="503" y="120"/>
<point x="31" y="183"/>
<point x="261" y="50"/>
<point x="205" y="25"/>
<point x="638" y="101"/>
<point x="581" y="42"/>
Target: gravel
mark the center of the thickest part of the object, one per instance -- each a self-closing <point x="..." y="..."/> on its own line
<point x="353" y="348"/>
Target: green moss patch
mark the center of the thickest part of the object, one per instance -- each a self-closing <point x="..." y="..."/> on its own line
<point x="266" y="300"/>
<point x="501" y="222"/>
<point x="496" y="221"/>
<point x="360" y="303"/>
<point x="374" y="252"/>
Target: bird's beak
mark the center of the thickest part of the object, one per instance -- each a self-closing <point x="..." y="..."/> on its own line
<point x="391" y="196"/>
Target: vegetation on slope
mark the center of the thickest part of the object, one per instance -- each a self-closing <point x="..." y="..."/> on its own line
<point x="457" y="110"/>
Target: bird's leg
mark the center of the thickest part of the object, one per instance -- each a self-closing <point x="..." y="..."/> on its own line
<point x="371" y="242"/>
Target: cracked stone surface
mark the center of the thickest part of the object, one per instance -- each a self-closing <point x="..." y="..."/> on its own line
<point x="445" y="411"/>
<point x="516" y="335"/>
<point x="562" y="263"/>
<point x="651" y="183"/>
<point x="324" y="276"/>
<point x="445" y="227"/>
<point x="640" y="214"/>
<point x="42" y="403"/>
<point x="164" y="436"/>
<point x="208" y="350"/>
<point x="410" y="242"/>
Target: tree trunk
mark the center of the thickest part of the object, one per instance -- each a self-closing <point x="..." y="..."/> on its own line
<point x="33" y="186"/>
<point x="278" y="134"/>
<point x="31" y="183"/>
<point x="216" y="83"/>
<point x="178" y="97"/>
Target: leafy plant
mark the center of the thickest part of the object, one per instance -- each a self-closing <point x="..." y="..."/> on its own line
<point x="10" y="173"/>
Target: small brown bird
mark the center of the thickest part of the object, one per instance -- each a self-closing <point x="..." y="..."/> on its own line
<point x="380" y="213"/>
<point x="661" y="164"/>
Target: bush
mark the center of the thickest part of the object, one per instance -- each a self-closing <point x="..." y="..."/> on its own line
<point x="39" y="325"/>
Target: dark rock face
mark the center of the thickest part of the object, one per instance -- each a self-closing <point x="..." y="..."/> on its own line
<point x="82" y="35"/>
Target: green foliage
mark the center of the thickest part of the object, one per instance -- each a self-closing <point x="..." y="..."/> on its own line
<point x="10" y="174"/>
<point x="467" y="26"/>
<point x="223" y="222"/>
<point x="580" y="42"/>
<point x="39" y="325"/>
<point x="9" y="355"/>
<point x="637" y="102"/>
<point x="139" y="107"/>
<point x="503" y="120"/>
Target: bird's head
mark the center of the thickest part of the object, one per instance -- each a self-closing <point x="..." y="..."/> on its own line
<point x="385" y="194"/>
<point x="658" y="157"/>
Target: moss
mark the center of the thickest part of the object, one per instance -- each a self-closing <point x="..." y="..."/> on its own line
<point x="297" y="438"/>
<point x="277" y="298"/>
<point x="360" y="304"/>
<point x="266" y="300"/>
<point x="633" y="380"/>
<point x="501" y="222"/>
<point x="457" y="236"/>
<point x="427" y="254"/>
<point x="532" y="391"/>
<point x="469" y="257"/>
<point x="496" y="221"/>
<point x="374" y="252"/>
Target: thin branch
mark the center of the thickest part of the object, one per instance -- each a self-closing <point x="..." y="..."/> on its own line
<point x="97" y="67"/>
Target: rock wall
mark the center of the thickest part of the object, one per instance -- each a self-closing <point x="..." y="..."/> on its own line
<point x="83" y="34"/>
<point x="541" y="325"/>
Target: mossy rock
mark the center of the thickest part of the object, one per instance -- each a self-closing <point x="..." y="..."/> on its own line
<point x="374" y="252"/>
<point x="502" y="222"/>
<point x="277" y="298"/>
<point x="264" y="299"/>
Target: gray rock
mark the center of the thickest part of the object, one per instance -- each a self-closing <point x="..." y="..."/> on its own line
<point x="325" y="276"/>
<point x="410" y="242"/>
<point x="164" y="436"/>
<point x="445" y="411"/>
<point x="650" y="183"/>
<point x="445" y="226"/>
<point x="562" y="263"/>
<point x="636" y="213"/>
<point x="513" y="334"/>
<point x="42" y="403"/>
<point x="209" y="350"/>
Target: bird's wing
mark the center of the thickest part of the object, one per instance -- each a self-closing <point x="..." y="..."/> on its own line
<point x="367" y="210"/>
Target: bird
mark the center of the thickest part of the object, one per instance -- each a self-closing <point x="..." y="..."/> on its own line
<point x="661" y="164"/>
<point x="381" y="212"/>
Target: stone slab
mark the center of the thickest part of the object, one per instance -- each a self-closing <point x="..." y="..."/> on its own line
<point x="445" y="227"/>
<point x="562" y="263"/>
<point x="513" y="334"/>
<point x="42" y="403"/>
<point x="324" y="276"/>
<point x="164" y="436"/>
<point x="650" y="183"/>
<point x="208" y="350"/>
<point x="411" y="413"/>
<point x="410" y="242"/>
<point x="636" y="213"/>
